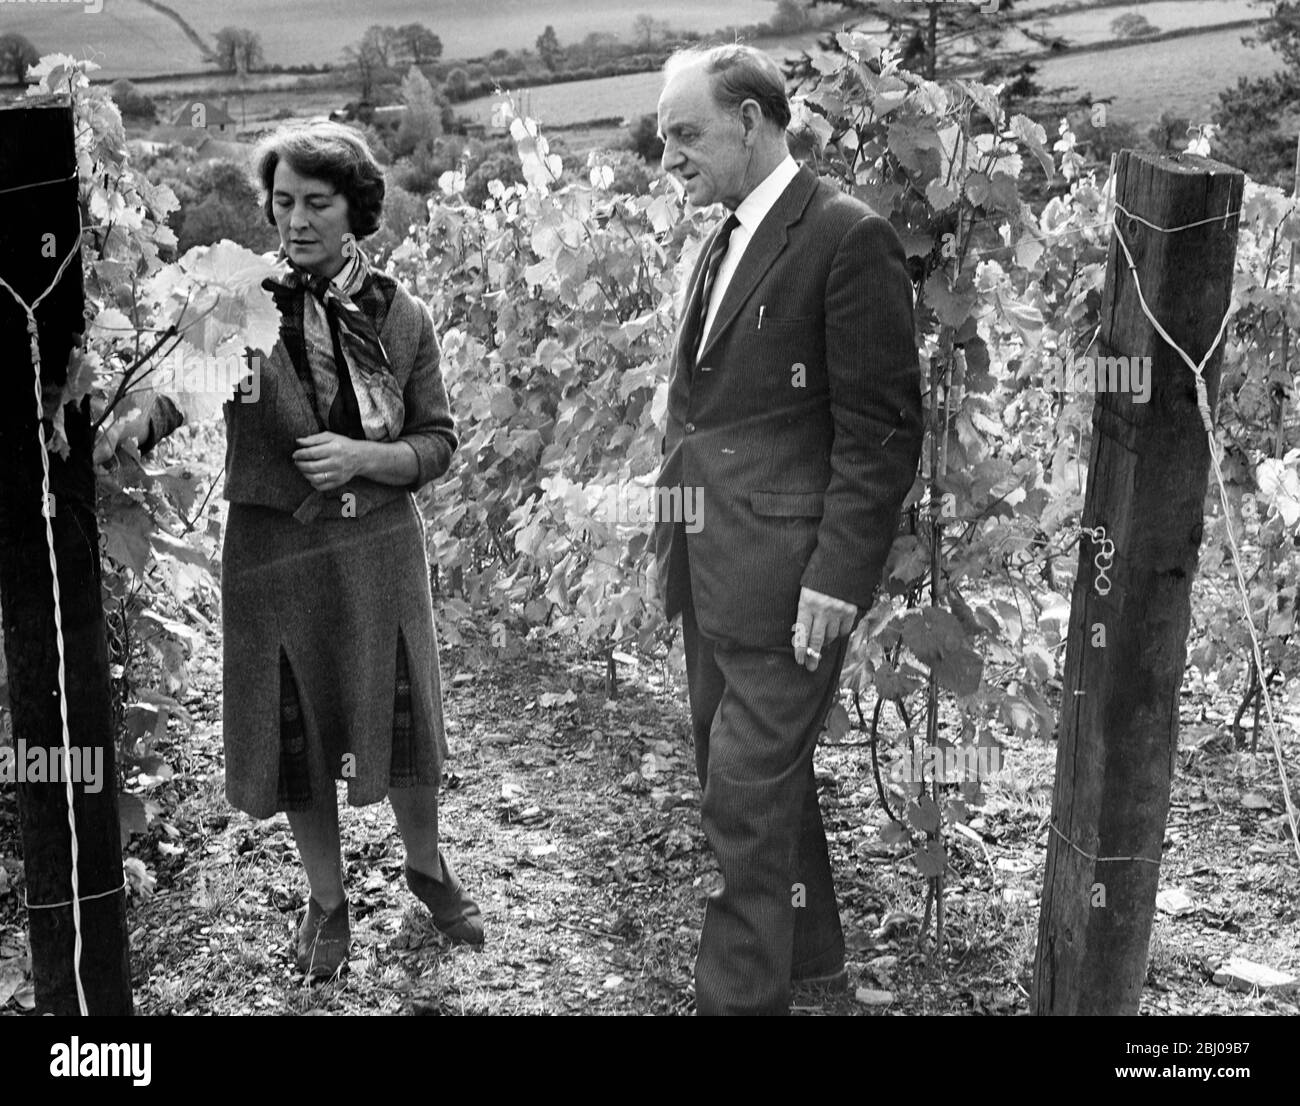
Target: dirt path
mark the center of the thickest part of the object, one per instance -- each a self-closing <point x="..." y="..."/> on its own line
<point x="575" y="822"/>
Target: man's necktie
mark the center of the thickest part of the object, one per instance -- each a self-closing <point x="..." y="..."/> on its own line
<point x="700" y="308"/>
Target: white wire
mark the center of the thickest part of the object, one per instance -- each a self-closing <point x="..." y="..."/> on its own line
<point x="1207" y="420"/>
<point x="34" y="333"/>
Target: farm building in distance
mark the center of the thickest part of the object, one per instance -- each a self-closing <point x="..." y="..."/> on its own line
<point x="205" y="115"/>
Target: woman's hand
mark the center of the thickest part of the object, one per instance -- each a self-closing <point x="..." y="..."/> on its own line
<point x="328" y="460"/>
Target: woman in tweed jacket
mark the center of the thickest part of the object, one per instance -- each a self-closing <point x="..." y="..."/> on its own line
<point x="331" y="663"/>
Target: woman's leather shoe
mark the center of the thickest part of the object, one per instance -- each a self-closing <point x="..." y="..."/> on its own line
<point x="323" y="940"/>
<point x="454" y="912"/>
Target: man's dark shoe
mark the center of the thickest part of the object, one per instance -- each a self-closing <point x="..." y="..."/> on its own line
<point x="323" y="940"/>
<point x="811" y="986"/>
<point x="454" y="912"/>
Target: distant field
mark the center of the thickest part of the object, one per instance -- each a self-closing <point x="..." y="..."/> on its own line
<point x="1089" y="27"/>
<point x="576" y="101"/>
<point x="125" y="38"/>
<point x="129" y="39"/>
<point x="1182" y="75"/>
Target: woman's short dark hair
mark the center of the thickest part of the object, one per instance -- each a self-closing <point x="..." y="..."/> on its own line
<point x="740" y="73"/>
<point x="330" y="152"/>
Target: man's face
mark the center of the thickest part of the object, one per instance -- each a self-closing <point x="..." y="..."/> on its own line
<point x="704" y="145"/>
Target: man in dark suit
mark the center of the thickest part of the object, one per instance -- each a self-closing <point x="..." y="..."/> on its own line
<point x="794" y="427"/>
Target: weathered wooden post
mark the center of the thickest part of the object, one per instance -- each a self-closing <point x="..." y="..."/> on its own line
<point x="1128" y="639"/>
<point x="38" y="182"/>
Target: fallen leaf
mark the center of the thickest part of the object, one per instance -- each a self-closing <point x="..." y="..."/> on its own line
<point x="1174" y="901"/>
<point x="1239" y="974"/>
<point x="11" y="978"/>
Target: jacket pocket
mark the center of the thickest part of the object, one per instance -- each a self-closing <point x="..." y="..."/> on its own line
<point x="787" y="504"/>
<point x="767" y="319"/>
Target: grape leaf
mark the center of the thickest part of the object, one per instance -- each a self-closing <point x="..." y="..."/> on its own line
<point x="895" y="833"/>
<point x="930" y="859"/>
<point x="923" y="813"/>
<point x="938" y="640"/>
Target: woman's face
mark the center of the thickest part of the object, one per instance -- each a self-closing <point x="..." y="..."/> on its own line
<point x="312" y="218"/>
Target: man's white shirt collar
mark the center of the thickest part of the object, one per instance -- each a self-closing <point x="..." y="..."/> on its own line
<point x="753" y="208"/>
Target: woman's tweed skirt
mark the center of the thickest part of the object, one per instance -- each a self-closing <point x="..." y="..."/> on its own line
<point x="331" y="663"/>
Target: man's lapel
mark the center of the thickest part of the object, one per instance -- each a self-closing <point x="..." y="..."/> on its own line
<point x="763" y="250"/>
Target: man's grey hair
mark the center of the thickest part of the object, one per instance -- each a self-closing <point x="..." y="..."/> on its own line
<point x="738" y="73"/>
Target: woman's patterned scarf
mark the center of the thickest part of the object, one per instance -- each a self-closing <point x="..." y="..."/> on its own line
<point x="330" y="310"/>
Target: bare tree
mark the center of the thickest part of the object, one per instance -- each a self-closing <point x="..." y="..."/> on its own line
<point x="363" y="65"/>
<point x="417" y="43"/>
<point x="648" y="32"/>
<point x="382" y="43"/>
<point x="370" y="60"/>
<point x="239" y="50"/>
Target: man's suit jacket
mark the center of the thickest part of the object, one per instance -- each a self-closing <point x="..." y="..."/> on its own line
<point x="800" y="425"/>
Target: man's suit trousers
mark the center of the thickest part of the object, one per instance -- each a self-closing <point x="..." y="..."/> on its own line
<point x="756" y="716"/>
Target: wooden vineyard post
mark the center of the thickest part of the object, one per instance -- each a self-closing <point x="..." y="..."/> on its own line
<point x="38" y="183"/>
<point x="1129" y="618"/>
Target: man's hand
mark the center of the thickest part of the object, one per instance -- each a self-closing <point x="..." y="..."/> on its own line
<point x="821" y="619"/>
<point x="328" y="460"/>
